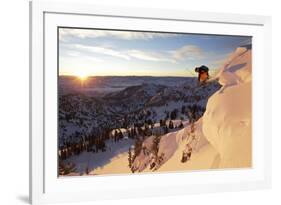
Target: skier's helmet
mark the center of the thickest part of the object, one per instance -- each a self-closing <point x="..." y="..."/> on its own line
<point x="202" y="68"/>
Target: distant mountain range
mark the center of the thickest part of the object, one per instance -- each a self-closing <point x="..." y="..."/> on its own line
<point x="126" y="101"/>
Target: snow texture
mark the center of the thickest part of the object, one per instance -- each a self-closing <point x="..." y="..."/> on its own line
<point x="227" y="121"/>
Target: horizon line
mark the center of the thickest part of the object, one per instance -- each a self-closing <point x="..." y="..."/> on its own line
<point x="66" y="75"/>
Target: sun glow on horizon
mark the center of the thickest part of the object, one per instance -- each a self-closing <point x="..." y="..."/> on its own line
<point x="82" y="75"/>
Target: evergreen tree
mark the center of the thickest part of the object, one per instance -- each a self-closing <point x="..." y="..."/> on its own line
<point x="183" y="109"/>
<point x="130" y="157"/>
<point x="115" y="136"/>
<point x="87" y="170"/>
<point x="152" y="124"/>
<point x="155" y="145"/>
<point x="161" y="122"/>
<point x="155" y="150"/>
<point x="120" y="135"/>
<point x="174" y="114"/>
<point x="137" y="148"/>
<point x="181" y="125"/>
<point x="171" y="125"/>
<point x="65" y="169"/>
<point x="133" y="132"/>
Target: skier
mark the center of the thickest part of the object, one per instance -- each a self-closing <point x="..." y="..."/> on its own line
<point x="203" y="73"/>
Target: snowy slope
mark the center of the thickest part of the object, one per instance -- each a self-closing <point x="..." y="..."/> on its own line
<point x="227" y="120"/>
<point x="172" y="146"/>
<point x="204" y="156"/>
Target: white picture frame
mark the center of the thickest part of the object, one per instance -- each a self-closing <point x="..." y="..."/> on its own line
<point x="46" y="187"/>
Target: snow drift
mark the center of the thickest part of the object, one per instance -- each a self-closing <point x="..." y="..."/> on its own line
<point x="227" y="120"/>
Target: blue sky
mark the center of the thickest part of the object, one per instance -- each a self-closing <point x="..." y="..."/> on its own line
<point x="91" y="52"/>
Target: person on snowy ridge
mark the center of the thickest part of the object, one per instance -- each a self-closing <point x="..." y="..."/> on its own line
<point x="203" y="73"/>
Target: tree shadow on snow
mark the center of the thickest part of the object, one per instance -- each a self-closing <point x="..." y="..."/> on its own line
<point x="92" y="161"/>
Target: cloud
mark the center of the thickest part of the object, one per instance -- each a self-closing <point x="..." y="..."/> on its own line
<point x="76" y="50"/>
<point x="71" y="53"/>
<point x="74" y="55"/>
<point x="125" y="35"/>
<point x="189" y="52"/>
<point x="150" y="56"/>
<point x="101" y="50"/>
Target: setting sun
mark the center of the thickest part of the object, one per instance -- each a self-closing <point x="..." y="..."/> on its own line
<point x="82" y="76"/>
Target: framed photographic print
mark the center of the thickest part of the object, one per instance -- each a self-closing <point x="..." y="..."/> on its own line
<point x="132" y="103"/>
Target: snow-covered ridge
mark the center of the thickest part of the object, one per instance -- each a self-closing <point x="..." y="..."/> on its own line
<point x="227" y="121"/>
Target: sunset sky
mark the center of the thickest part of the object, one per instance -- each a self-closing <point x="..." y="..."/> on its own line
<point x="90" y="52"/>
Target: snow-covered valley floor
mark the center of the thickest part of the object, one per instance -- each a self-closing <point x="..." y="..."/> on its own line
<point x="92" y="161"/>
